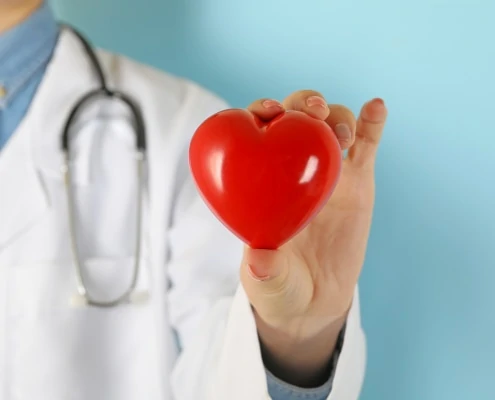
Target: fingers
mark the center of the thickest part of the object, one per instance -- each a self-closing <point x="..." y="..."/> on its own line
<point x="266" y="109"/>
<point x="343" y="123"/>
<point x="369" y="129"/>
<point x="339" y="118"/>
<point x="309" y="101"/>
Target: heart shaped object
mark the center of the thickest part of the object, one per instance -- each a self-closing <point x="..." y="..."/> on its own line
<point x="265" y="180"/>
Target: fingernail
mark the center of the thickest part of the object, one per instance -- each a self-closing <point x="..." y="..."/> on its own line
<point x="343" y="131"/>
<point x="378" y="102"/>
<point x="271" y="104"/>
<point x="257" y="274"/>
<point x="374" y="106"/>
<point x="316" y="101"/>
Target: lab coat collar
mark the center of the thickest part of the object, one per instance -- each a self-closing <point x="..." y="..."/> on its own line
<point x="34" y="149"/>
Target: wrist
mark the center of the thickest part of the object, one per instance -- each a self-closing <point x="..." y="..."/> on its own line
<point x="300" y="352"/>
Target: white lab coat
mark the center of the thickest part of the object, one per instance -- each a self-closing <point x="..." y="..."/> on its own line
<point x="54" y="351"/>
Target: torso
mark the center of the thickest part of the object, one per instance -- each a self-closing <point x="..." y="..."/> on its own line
<point x="48" y="348"/>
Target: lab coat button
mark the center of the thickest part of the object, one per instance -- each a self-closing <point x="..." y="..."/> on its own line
<point x="3" y="92"/>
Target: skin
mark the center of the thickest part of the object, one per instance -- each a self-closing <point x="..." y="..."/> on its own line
<point x="13" y="12"/>
<point x="302" y="292"/>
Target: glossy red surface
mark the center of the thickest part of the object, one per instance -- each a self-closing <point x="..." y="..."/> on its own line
<point x="265" y="181"/>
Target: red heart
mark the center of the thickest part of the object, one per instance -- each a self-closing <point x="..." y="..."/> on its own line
<point x="265" y="181"/>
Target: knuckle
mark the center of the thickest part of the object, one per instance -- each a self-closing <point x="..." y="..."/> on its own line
<point x="299" y="97"/>
<point x="311" y="93"/>
<point x="256" y="104"/>
<point x="342" y="111"/>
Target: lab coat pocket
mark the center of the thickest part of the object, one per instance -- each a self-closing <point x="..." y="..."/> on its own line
<point x="58" y="352"/>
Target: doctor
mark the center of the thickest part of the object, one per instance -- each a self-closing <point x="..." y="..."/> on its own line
<point x="286" y="327"/>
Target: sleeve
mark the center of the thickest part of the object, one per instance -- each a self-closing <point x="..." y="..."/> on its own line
<point x="280" y="390"/>
<point x="220" y="357"/>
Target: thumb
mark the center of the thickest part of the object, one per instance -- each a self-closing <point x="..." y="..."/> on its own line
<point x="275" y="287"/>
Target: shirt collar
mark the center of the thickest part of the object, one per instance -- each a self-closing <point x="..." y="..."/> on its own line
<point x="24" y="49"/>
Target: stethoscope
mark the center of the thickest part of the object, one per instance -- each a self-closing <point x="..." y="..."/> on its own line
<point x="84" y="297"/>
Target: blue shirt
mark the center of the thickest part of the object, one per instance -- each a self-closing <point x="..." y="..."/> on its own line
<point x="25" y="52"/>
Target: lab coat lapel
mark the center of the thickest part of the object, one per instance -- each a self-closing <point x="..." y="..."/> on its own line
<point x="22" y="198"/>
<point x="33" y="150"/>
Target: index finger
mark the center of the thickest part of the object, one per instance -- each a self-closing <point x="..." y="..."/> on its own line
<point x="310" y="102"/>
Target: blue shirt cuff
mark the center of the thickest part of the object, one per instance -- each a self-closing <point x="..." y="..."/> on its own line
<point x="280" y="390"/>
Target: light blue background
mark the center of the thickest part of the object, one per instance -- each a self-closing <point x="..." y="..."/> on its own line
<point x="428" y="285"/>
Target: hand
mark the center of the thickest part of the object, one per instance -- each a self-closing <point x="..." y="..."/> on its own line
<point x="301" y="292"/>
